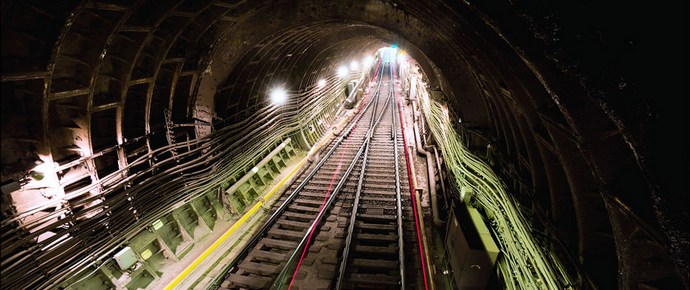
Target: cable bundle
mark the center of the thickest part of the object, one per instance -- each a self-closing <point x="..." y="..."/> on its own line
<point x="525" y="264"/>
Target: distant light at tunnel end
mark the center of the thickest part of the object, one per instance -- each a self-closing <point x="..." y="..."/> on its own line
<point x="278" y="96"/>
<point x="394" y="46"/>
<point x="321" y="83"/>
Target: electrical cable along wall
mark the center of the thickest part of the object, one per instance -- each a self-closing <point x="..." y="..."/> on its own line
<point x="108" y="107"/>
<point x="524" y="263"/>
<point x="171" y="176"/>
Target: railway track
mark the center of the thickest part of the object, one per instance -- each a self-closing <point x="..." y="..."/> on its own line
<point x="346" y="222"/>
<point x="373" y="254"/>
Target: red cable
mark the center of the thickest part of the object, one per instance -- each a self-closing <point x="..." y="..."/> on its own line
<point x="376" y="72"/>
<point x="328" y="192"/>
<point x="412" y="190"/>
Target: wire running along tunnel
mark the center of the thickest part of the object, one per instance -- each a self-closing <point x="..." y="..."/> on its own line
<point x="116" y="114"/>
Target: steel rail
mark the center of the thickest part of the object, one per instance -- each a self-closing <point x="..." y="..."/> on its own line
<point x="398" y="195"/>
<point x="364" y="147"/>
<point x="352" y="221"/>
<point x="274" y="217"/>
<point x="351" y="227"/>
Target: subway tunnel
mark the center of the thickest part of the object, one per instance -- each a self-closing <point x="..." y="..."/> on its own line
<point x="111" y="111"/>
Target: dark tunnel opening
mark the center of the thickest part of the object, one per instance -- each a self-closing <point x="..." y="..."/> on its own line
<point x="117" y="115"/>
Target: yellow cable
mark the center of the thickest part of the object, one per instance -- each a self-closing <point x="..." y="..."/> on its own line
<point x="245" y="217"/>
<point x="232" y="229"/>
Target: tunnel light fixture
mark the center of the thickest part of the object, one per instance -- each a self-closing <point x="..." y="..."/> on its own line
<point x="321" y="83"/>
<point x="354" y="65"/>
<point x="368" y="60"/>
<point x="342" y="71"/>
<point x="278" y="96"/>
<point x="44" y="168"/>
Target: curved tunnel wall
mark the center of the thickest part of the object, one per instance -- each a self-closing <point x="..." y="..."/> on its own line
<point x="572" y="123"/>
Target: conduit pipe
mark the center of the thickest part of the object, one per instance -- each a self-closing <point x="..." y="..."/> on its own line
<point x="440" y="174"/>
<point x="417" y="203"/>
<point x="432" y="148"/>
<point x="431" y="179"/>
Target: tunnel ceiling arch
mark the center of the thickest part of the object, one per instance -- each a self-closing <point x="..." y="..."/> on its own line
<point x="571" y="116"/>
<point x="329" y="44"/>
